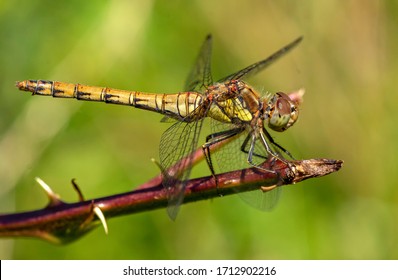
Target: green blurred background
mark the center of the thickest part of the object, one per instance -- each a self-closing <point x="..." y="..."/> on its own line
<point x="347" y="63"/>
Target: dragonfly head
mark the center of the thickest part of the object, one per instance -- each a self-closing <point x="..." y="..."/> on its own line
<point x="283" y="112"/>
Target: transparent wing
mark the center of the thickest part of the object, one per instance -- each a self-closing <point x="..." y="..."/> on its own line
<point x="200" y="76"/>
<point x="264" y="201"/>
<point x="261" y="65"/>
<point x="234" y="156"/>
<point x="178" y="143"/>
<point x="176" y="154"/>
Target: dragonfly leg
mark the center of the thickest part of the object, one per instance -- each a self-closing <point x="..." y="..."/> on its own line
<point x="213" y="139"/>
<point x="271" y="140"/>
<point x="275" y="155"/>
<point x="244" y="149"/>
<point x="268" y="148"/>
<point x="251" y="152"/>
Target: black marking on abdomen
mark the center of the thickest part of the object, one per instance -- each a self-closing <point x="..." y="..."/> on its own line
<point x="55" y="91"/>
<point x="81" y="94"/>
<point x="38" y="89"/>
<point x="40" y="85"/>
<point x="109" y="96"/>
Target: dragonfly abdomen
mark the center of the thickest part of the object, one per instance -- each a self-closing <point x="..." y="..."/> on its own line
<point x="177" y="105"/>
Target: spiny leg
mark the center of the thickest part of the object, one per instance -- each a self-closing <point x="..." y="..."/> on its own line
<point x="271" y="140"/>
<point x="278" y="156"/>
<point x="215" y="138"/>
<point x="244" y="149"/>
<point x="251" y="152"/>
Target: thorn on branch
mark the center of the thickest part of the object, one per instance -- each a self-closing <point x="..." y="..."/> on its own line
<point x="54" y="198"/>
<point x="77" y="189"/>
<point x="101" y="217"/>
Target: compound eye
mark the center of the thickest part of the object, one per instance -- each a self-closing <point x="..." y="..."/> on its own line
<point x="284" y="114"/>
<point x="283" y="106"/>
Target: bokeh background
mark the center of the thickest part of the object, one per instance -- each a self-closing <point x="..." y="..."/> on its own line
<point x="347" y="63"/>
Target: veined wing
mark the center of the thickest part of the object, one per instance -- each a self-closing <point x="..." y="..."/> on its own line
<point x="177" y="145"/>
<point x="234" y="156"/>
<point x="200" y="76"/>
<point x="261" y="65"/>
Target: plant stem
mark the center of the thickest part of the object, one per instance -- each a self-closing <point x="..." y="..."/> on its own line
<point x="62" y="222"/>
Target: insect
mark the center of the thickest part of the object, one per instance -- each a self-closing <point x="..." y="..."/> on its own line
<point x="236" y="110"/>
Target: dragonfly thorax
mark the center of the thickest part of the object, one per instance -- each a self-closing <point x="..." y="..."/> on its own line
<point x="233" y="102"/>
<point x="280" y="111"/>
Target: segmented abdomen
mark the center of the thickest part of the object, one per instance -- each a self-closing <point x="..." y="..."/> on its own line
<point x="177" y="105"/>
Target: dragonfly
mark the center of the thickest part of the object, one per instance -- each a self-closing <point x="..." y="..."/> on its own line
<point x="237" y="112"/>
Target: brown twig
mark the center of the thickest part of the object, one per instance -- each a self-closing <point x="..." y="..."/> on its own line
<point x="62" y="222"/>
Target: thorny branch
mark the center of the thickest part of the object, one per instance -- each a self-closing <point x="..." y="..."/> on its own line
<point x="60" y="222"/>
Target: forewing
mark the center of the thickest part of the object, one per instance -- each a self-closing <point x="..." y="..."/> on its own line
<point x="200" y="76"/>
<point x="261" y="65"/>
